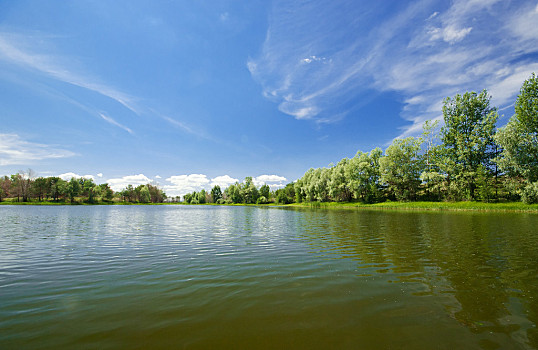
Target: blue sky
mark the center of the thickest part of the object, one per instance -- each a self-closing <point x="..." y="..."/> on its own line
<point x="189" y="94"/>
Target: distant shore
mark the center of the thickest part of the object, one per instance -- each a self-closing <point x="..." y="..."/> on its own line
<point x="435" y="206"/>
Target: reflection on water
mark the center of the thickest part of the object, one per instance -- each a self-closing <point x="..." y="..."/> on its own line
<point x="244" y="277"/>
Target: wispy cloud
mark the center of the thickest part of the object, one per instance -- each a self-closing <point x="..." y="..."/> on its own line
<point x="16" y="49"/>
<point x="16" y="151"/>
<point x="115" y="123"/>
<point x="318" y="56"/>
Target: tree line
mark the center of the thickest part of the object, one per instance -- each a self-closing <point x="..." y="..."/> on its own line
<point x="468" y="159"/>
<point x="25" y="187"/>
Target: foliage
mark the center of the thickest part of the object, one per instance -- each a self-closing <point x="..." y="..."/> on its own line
<point x="526" y="106"/>
<point x="468" y="138"/>
<point x="401" y="168"/>
<point x="530" y="193"/>
<point x="216" y="194"/>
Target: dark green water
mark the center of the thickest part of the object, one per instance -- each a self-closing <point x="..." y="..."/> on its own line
<point x="201" y="277"/>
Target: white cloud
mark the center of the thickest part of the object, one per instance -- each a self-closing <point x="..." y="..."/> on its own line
<point x="100" y="175"/>
<point x="223" y="181"/>
<point x="118" y="184"/>
<point x="115" y="123"/>
<point x="15" y="151"/>
<point x="273" y="181"/>
<point x="183" y="184"/>
<point x="70" y="175"/>
<point x="158" y="177"/>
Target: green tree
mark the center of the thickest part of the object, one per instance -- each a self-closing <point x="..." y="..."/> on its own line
<point x="40" y="188"/>
<point x="216" y="194"/>
<point x="233" y="193"/>
<point x="202" y="196"/>
<point x="73" y="189"/>
<point x="526" y="106"/>
<point x="363" y="174"/>
<point x="249" y="191"/>
<point x="401" y="168"/>
<point x="265" y="191"/>
<point x="468" y="138"/>
<point x="145" y="196"/>
<point x="89" y="189"/>
<point x="106" y="192"/>
<point x="339" y="189"/>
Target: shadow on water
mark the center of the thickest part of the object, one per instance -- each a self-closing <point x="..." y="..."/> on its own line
<point x="486" y="263"/>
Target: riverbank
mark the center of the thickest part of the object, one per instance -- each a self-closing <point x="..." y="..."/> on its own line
<point x="451" y="206"/>
<point x="438" y="206"/>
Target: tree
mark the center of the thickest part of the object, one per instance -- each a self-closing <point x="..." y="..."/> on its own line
<point x="249" y="191"/>
<point x="526" y="106"/>
<point x="233" y="193"/>
<point x="156" y="194"/>
<point x="265" y="191"/>
<point x="216" y="194"/>
<point x="468" y="138"/>
<point x="362" y="173"/>
<point x="145" y="197"/>
<point x="40" y="188"/>
<point x="519" y="140"/>
<point x="73" y="189"/>
<point x="89" y="189"/>
<point x="201" y="196"/>
<point x="338" y="183"/>
<point x="5" y="185"/>
<point x="519" y="156"/>
<point x="401" y="168"/>
<point x="106" y="192"/>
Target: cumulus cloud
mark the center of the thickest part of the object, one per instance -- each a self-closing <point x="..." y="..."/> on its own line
<point x="223" y="181"/>
<point x="118" y="184"/>
<point x="16" y="151"/>
<point x="100" y="175"/>
<point x="273" y="181"/>
<point x="183" y="184"/>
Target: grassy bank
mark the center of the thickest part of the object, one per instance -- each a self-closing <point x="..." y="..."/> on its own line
<point x="455" y="206"/>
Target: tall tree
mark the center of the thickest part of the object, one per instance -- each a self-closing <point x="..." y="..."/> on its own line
<point x="468" y="137"/>
<point x="526" y="106"/>
<point x="519" y="142"/>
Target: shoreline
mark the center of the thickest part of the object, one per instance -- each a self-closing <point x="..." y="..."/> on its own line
<point x="419" y="206"/>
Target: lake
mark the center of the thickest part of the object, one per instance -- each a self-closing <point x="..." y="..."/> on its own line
<point x="209" y="277"/>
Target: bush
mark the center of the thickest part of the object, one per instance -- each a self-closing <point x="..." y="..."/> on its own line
<point x="261" y="200"/>
<point x="530" y="193"/>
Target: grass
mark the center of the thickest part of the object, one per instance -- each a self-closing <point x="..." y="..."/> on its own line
<point x="451" y="206"/>
<point x="465" y="206"/>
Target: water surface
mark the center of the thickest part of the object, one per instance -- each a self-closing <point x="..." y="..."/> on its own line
<point x="194" y="277"/>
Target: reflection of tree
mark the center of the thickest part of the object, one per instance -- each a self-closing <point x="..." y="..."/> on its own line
<point x="487" y="262"/>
